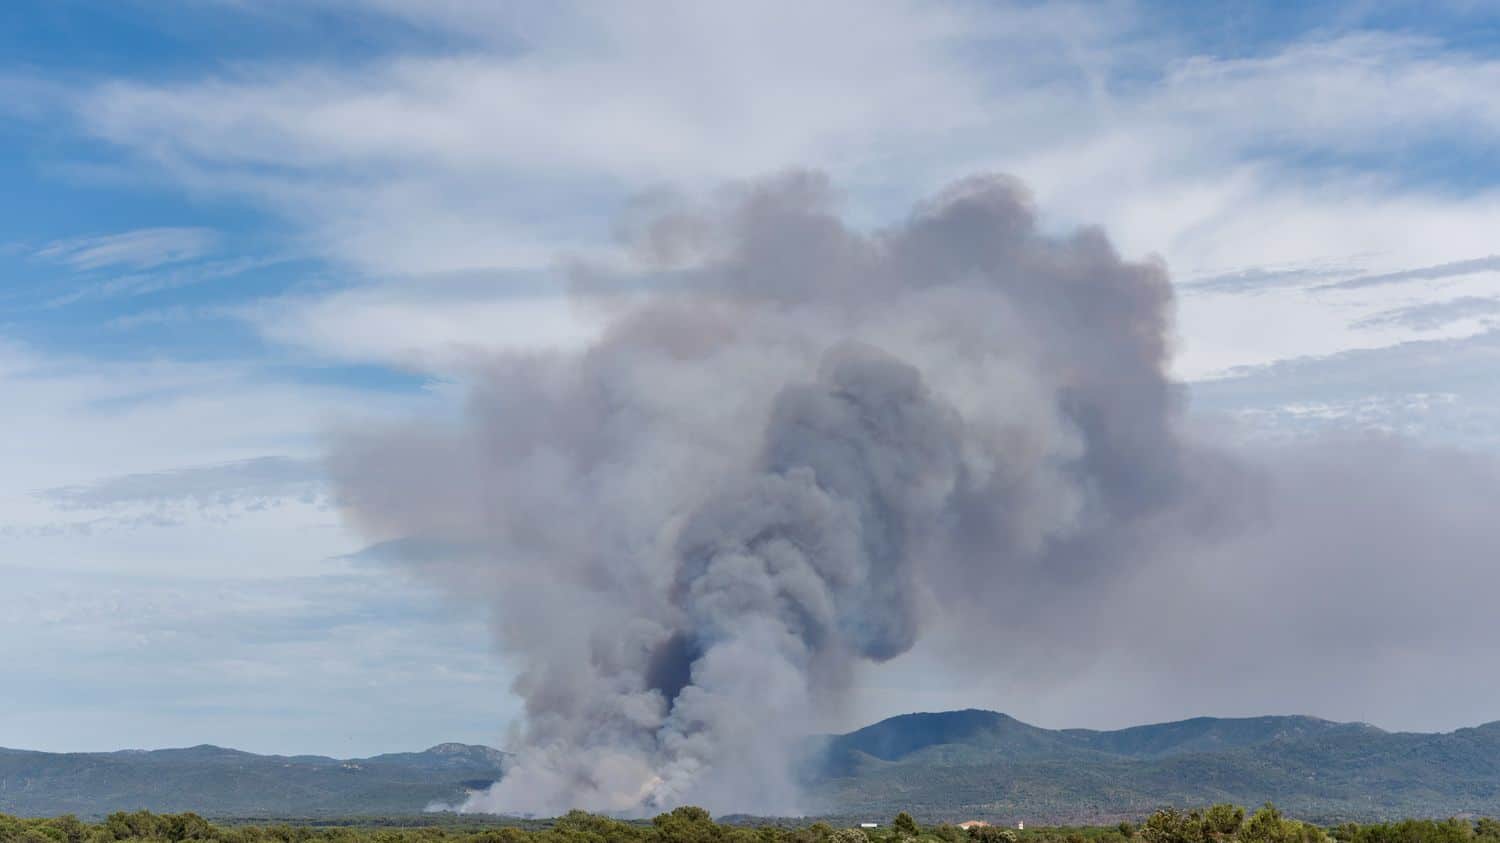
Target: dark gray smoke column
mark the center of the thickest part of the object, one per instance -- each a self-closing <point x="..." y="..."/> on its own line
<point x="694" y="530"/>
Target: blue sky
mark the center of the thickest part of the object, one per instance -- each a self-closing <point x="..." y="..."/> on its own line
<point x="228" y="226"/>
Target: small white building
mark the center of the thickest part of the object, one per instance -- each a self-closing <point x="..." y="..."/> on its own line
<point x="869" y="825"/>
<point x="1020" y="825"/>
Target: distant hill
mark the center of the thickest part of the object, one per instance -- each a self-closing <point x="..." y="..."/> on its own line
<point x="975" y="736"/>
<point x="983" y="764"/>
<point x="945" y="766"/>
<point x="219" y="782"/>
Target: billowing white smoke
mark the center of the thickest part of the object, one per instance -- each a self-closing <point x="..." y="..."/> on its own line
<point x="775" y="467"/>
<point x="693" y="530"/>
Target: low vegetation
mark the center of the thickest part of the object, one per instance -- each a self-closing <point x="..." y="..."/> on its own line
<point x="1219" y="824"/>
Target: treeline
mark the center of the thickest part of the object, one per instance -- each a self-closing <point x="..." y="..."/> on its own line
<point x="1219" y="824"/>
<point x="1229" y="824"/>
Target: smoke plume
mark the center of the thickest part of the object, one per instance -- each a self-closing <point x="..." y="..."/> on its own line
<point x="801" y="449"/>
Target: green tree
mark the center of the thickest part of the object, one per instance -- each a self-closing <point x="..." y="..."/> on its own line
<point x="818" y="832"/>
<point x="1223" y="821"/>
<point x="1172" y="826"/>
<point x="687" y="824"/>
<point x="905" y="826"/>
<point x="991" y="834"/>
<point x="948" y="832"/>
<point x="1267" y="825"/>
<point x="1346" y="833"/>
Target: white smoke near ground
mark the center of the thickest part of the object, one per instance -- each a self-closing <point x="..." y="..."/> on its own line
<point x="810" y="445"/>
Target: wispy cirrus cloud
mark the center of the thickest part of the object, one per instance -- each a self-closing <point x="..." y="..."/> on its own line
<point x="143" y="248"/>
<point x="251" y="483"/>
<point x="1472" y="266"/>
<point x="199" y="450"/>
<point x="1259" y="280"/>
<point x="1433" y="315"/>
<point x="161" y="279"/>
<point x="207" y="658"/>
<point x="433" y="325"/>
<point x="527" y="134"/>
<point x="1435" y="390"/>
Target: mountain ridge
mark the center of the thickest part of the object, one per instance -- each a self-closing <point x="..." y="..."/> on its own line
<point x="971" y="763"/>
<point x="224" y="782"/>
<point x="983" y="764"/>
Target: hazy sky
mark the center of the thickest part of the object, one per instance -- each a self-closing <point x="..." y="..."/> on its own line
<point x="228" y="226"/>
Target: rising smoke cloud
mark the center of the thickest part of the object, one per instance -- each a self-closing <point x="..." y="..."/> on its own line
<point x="809" y="447"/>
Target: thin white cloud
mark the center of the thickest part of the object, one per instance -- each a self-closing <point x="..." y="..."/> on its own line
<point x="1472" y="266"/>
<point x="1439" y="390"/>
<point x="161" y="279"/>
<point x="421" y="327"/>
<point x="142" y="248"/>
<point x="220" y="649"/>
<point x="528" y="136"/>
<point x="159" y="465"/>
<point x="1430" y="316"/>
<point x="170" y="315"/>
<point x="256" y="482"/>
<point x="498" y="157"/>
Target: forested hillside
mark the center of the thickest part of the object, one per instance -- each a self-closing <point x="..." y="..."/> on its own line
<point x="986" y="764"/>
<point x="945" y="766"/>
<point x="222" y="782"/>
